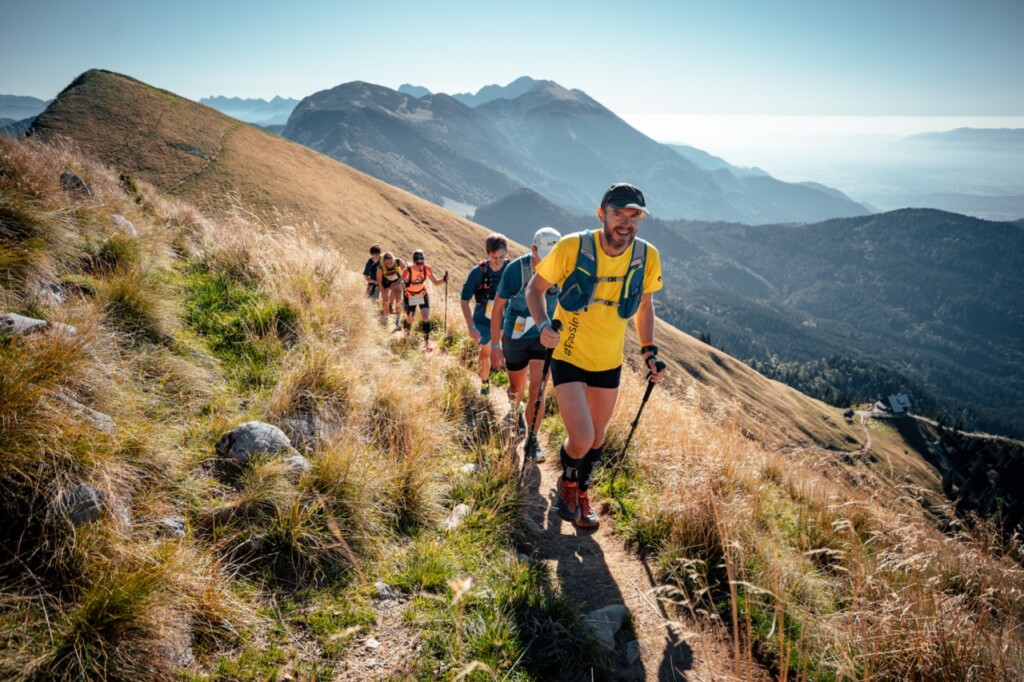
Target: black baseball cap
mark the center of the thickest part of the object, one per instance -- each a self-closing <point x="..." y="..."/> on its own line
<point x="624" y="195"/>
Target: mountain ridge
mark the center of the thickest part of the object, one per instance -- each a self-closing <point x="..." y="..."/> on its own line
<point x="559" y="142"/>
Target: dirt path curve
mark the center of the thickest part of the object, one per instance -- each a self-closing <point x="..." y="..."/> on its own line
<point x="595" y="568"/>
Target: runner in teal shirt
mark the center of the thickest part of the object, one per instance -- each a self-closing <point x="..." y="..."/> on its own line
<point x="516" y="340"/>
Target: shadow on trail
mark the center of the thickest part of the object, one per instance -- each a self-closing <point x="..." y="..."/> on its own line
<point x="584" y="574"/>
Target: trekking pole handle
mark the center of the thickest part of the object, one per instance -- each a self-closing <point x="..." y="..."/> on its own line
<point x="658" y="366"/>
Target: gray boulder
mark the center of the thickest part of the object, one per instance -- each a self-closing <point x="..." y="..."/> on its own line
<point x="605" y="622"/>
<point x="124" y="225"/>
<point x="252" y="439"/>
<point x="19" y="325"/>
<point x="296" y="466"/>
<point x="171" y="526"/>
<point x="49" y="293"/>
<point x="82" y="503"/>
<point x="73" y="184"/>
<point x="304" y="431"/>
<point x="456" y="518"/>
<point x="101" y="421"/>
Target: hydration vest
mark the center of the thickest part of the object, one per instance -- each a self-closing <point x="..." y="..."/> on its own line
<point x="484" y="290"/>
<point x="414" y="286"/>
<point x="578" y="289"/>
<point x="517" y="304"/>
<point x="393" y="274"/>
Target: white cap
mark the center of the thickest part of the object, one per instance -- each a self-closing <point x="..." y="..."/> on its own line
<point x="545" y="239"/>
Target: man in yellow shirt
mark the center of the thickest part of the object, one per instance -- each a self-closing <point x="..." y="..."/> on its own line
<point x="606" y="277"/>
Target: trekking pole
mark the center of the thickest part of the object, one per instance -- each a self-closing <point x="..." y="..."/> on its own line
<point x="659" y="365"/>
<point x="557" y="326"/>
<point x="445" y="341"/>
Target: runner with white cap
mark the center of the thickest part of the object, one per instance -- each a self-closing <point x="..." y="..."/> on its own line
<point x="516" y="340"/>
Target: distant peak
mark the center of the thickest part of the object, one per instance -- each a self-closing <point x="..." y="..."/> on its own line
<point x="416" y="91"/>
<point x="516" y="88"/>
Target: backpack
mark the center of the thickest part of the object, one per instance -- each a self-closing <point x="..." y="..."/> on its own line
<point x="393" y="274"/>
<point x="517" y="304"/>
<point x="414" y="286"/>
<point x="484" y="289"/>
<point x="578" y="289"/>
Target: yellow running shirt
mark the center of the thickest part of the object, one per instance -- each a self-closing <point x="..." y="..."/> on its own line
<point x="593" y="339"/>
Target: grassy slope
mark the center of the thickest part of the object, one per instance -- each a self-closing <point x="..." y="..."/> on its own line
<point x="223" y="166"/>
<point x="185" y="331"/>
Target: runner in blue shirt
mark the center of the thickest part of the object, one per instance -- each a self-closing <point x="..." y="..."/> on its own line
<point x="480" y="286"/>
<point x="516" y="340"/>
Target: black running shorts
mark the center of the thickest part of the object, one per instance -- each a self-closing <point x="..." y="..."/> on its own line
<point x="518" y="353"/>
<point x="564" y="373"/>
<point x="410" y="309"/>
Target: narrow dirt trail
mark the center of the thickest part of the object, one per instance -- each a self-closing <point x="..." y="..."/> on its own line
<point x="595" y="568"/>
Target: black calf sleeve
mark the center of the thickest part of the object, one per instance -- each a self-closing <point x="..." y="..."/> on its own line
<point x="570" y="466"/>
<point x="590" y="462"/>
<point x="426" y="329"/>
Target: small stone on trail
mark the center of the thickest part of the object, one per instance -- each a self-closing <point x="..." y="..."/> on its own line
<point x="384" y="591"/>
<point x="371" y="643"/>
<point x="470" y="468"/>
<point x="605" y="622"/>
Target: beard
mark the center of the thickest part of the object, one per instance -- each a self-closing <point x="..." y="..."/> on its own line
<point x="618" y="242"/>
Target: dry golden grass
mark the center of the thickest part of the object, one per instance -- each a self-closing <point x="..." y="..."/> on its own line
<point x="113" y="599"/>
<point x="813" y="577"/>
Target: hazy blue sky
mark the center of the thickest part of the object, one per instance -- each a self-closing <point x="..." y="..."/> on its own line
<point x="683" y="71"/>
<point x="787" y="57"/>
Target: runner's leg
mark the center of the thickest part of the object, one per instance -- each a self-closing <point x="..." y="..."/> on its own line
<point x="575" y="411"/>
<point x="601" y="402"/>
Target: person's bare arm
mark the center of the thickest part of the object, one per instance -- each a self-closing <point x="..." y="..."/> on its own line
<point x="645" y="330"/>
<point x="497" y="313"/>
<point x="536" y="302"/>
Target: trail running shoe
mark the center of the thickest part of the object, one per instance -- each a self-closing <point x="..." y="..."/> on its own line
<point x="533" y="451"/>
<point x="587" y="518"/>
<point x="485" y="389"/>
<point x="568" y="507"/>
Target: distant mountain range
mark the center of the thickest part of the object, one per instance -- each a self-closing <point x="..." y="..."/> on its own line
<point x="258" y="111"/>
<point x="19" y="107"/>
<point x="927" y="301"/>
<point x="535" y="134"/>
